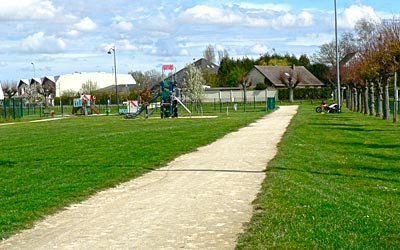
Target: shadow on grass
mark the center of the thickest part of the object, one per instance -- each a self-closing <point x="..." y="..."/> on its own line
<point x="372" y="145"/>
<point x="343" y="175"/>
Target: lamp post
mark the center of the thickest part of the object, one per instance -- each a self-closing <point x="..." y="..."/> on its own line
<point x="112" y="50"/>
<point x="339" y="100"/>
<point x="34" y="73"/>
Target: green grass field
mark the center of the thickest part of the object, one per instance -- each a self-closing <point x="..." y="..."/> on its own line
<point x="334" y="184"/>
<point x="45" y="166"/>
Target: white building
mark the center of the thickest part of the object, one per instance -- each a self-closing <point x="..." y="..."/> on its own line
<point x="74" y="81"/>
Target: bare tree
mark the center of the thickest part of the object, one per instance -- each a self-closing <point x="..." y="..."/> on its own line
<point x="10" y="89"/>
<point x="291" y="79"/>
<point x="209" y="53"/>
<point x="69" y="95"/>
<point x="88" y="87"/>
<point x="327" y="52"/>
<point x="149" y="77"/>
<point x="222" y="54"/>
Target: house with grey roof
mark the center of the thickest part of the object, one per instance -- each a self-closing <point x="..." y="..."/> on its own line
<point x="273" y="76"/>
<point x="203" y="64"/>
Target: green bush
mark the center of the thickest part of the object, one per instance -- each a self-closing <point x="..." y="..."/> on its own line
<point x="260" y="86"/>
<point x="305" y="93"/>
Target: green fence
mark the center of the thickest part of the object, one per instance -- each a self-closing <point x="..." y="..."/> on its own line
<point x="15" y="108"/>
<point x="11" y="108"/>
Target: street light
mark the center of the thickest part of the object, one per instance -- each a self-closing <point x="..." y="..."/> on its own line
<point x="112" y="50"/>
<point x="34" y="73"/>
<point x="337" y="62"/>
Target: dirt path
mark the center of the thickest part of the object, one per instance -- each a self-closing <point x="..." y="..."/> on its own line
<point x="199" y="201"/>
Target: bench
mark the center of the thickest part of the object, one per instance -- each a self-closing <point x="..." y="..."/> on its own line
<point x="47" y="112"/>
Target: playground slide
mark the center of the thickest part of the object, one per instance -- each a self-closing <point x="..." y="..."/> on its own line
<point x="142" y="108"/>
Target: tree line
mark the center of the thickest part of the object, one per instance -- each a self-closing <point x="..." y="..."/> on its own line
<point x="369" y="63"/>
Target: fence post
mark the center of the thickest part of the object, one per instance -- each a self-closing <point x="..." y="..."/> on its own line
<point x="5" y="108"/>
<point x="21" y="106"/>
<point x="14" y="107"/>
<point x="215" y="105"/>
<point x="220" y="102"/>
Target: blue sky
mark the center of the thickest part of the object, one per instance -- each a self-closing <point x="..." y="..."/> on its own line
<point x="61" y="37"/>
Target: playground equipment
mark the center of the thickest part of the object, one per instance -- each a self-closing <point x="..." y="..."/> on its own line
<point x="169" y="98"/>
<point x="86" y="104"/>
<point x="143" y="107"/>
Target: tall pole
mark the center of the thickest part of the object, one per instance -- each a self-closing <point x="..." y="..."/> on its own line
<point x="396" y="100"/>
<point x="339" y="100"/>
<point x="34" y="73"/>
<point x="115" y="75"/>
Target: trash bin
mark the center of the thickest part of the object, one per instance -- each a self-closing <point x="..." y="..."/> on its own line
<point x="271" y="103"/>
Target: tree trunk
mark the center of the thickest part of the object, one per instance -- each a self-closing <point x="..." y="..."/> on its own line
<point x="348" y="97"/>
<point x="341" y="96"/>
<point x="355" y="104"/>
<point x="379" y="99"/>
<point x="386" y="100"/>
<point x="371" y="98"/>
<point x="291" y="99"/>
<point x="359" y="101"/>
<point x="365" y="97"/>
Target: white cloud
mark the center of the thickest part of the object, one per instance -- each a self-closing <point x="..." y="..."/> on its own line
<point x="354" y="13"/>
<point x="125" y="45"/>
<point x="265" y="7"/>
<point x="311" y="39"/>
<point x="208" y="14"/>
<point x="120" y="46"/>
<point x="259" y="49"/>
<point x="123" y="26"/>
<point x="227" y="16"/>
<point x="288" y="20"/>
<point x="86" y="24"/>
<point x="73" y="33"/>
<point x="40" y="43"/>
<point x="169" y="47"/>
<point x="27" y="9"/>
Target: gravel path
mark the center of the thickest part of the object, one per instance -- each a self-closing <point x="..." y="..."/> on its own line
<point x="199" y="201"/>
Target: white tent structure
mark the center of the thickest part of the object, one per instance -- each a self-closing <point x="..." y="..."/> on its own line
<point x="74" y="81"/>
<point x="1" y="94"/>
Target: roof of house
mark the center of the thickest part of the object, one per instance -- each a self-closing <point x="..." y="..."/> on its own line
<point x="74" y="81"/>
<point x="202" y="64"/>
<point x="274" y="75"/>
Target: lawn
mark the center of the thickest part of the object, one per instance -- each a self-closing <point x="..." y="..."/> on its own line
<point x="334" y="184"/>
<point x="47" y="165"/>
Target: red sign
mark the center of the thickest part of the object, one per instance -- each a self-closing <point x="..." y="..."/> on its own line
<point x="168" y="67"/>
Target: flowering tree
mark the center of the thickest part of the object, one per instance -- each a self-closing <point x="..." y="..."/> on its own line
<point x="193" y="86"/>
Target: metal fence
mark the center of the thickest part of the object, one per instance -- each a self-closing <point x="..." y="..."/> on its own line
<point x="16" y="108"/>
<point x="11" y="108"/>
